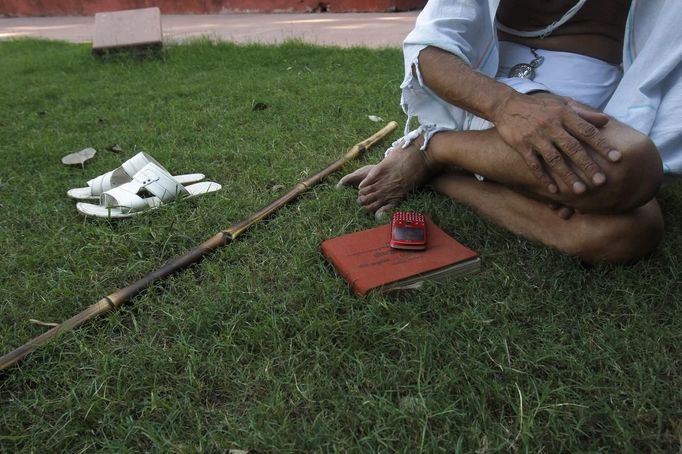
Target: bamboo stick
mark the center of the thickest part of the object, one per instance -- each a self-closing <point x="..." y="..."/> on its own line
<point x="116" y="299"/>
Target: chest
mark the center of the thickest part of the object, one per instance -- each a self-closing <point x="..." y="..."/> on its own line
<point x="538" y="13"/>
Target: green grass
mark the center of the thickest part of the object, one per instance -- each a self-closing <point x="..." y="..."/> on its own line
<point x="261" y="346"/>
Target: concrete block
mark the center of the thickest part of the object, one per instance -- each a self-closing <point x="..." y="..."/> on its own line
<point x="90" y="7"/>
<point x="133" y="29"/>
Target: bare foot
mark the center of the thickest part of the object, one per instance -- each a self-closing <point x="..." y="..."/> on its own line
<point x="382" y="186"/>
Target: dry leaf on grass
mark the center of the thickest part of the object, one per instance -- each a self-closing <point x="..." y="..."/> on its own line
<point x="79" y="157"/>
<point x="116" y="148"/>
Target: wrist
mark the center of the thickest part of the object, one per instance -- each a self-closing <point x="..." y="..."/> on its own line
<point x="499" y="108"/>
<point x="433" y="164"/>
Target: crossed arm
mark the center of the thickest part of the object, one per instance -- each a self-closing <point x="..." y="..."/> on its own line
<point x="548" y="132"/>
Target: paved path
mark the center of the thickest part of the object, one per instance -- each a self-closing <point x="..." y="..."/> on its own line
<point x="348" y="29"/>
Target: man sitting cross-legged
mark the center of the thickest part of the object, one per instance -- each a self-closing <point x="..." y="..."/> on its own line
<point x="550" y="168"/>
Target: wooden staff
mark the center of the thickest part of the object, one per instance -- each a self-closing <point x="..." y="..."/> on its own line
<point x="115" y="300"/>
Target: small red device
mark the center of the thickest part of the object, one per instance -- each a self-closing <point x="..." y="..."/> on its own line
<point x="408" y="230"/>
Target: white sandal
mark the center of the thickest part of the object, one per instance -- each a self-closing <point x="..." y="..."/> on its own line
<point x="150" y="188"/>
<point x="124" y="174"/>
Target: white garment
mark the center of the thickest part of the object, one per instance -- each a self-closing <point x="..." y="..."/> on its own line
<point x="648" y="98"/>
<point x="585" y="79"/>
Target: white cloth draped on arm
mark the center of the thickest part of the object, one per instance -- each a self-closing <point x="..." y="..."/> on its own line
<point x="461" y="27"/>
<point x="649" y="97"/>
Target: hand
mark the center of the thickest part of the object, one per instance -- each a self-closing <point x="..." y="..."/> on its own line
<point x="381" y="187"/>
<point x="547" y="128"/>
<point x="359" y="179"/>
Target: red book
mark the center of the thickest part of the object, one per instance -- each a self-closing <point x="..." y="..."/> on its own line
<point x="367" y="262"/>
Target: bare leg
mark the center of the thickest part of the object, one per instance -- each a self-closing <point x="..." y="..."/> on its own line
<point x="629" y="183"/>
<point x="592" y="237"/>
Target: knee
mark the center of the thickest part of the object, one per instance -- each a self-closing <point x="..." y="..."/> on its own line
<point x="624" y="239"/>
<point x="630" y="182"/>
<point x="643" y="173"/>
<point x="636" y="178"/>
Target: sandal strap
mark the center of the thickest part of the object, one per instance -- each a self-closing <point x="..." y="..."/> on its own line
<point x="151" y="181"/>
<point x="137" y="163"/>
<point x="101" y="183"/>
<point x="122" y="174"/>
<point x="157" y="181"/>
<point x="126" y="198"/>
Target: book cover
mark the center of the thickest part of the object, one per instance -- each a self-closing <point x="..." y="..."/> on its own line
<point x="367" y="262"/>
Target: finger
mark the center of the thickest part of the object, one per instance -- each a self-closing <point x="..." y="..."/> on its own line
<point x="565" y="213"/>
<point x="591" y="135"/>
<point x="366" y="188"/>
<point x="379" y="203"/>
<point x="367" y="199"/>
<point x="535" y="166"/>
<point x="555" y="161"/>
<point x="582" y="160"/>
<point x="374" y="206"/>
<point x="595" y="117"/>
<point x="354" y="178"/>
<point x="372" y="177"/>
<point x="382" y="213"/>
<point x="562" y="211"/>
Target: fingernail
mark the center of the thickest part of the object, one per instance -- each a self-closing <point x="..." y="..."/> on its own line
<point x="579" y="187"/>
<point x="552" y="188"/>
<point x="599" y="178"/>
<point x="615" y="155"/>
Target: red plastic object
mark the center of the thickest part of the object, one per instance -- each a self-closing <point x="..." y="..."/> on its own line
<point x="408" y="230"/>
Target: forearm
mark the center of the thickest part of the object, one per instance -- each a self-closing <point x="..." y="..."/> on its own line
<point x="453" y="80"/>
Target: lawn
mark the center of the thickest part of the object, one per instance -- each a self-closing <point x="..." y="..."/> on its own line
<point x="261" y="346"/>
